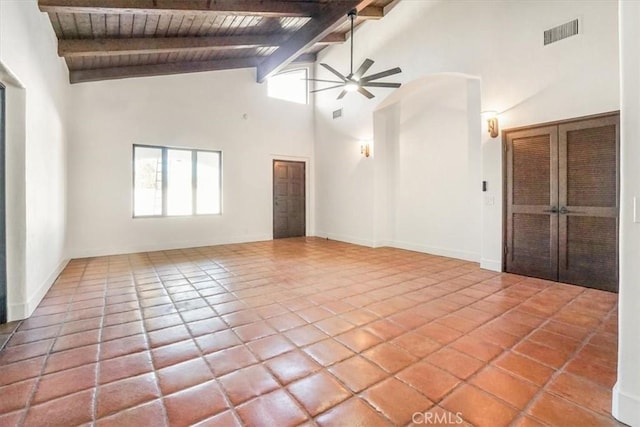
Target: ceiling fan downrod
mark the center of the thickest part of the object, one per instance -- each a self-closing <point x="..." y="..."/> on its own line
<point x="357" y="81"/>
<point x="352" y="16"/>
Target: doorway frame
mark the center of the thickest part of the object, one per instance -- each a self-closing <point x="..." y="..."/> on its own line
<point x="4" y="308"/>
<point x="307" y="189"/>
<point x="505" y="133"/>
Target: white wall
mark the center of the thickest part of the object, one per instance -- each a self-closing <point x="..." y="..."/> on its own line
<point x="203" y="110"/>
<point x="37" y="82"/>
<point x="431" y="160"/>
<point x="626" y="393"/>
<point x="499" y="41"/>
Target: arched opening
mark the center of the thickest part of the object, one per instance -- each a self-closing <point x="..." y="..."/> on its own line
<point x="429" y="157"/>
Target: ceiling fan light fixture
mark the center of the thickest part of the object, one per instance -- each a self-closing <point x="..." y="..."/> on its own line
<point x="351" y="86"/>
<point x="357" y="81"/>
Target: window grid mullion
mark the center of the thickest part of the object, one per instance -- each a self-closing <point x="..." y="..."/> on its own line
<point x="133" y="184"/>
<point x="194" y="182"/>
<point x="165" y="179"/>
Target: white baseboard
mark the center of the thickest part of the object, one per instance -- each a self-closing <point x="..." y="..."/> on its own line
<point x="17" y="311"/>
<point x="23" y="310"/>
<point x="625" y="407"/>
<point x="111" y="250"/>
<point x="491" y="265"/>
<point x="432" y="250"/>
<point x="346" y="239"/>
<point x="463" y="255"/>
<point x="382" y="244"/>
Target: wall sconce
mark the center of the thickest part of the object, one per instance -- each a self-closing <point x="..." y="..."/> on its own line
<point x="492" y="123"/>
<point x="365" y="148"/>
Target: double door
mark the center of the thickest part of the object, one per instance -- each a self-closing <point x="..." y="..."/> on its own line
<point x="562" y="200"/>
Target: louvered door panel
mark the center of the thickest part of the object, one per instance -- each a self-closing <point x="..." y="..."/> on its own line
<point x="532" y="174"/>
<point x="591" y="166"/>
<point x="588" y="195"/>
<point x="588" y="255"/>
<point x="531" y="170"/>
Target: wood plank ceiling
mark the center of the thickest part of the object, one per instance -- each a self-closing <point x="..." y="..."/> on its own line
<point x="114" y="39"/>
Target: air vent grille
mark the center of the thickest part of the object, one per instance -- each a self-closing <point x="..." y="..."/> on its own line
<point x="561" y="32"/>
<point x="337" y="113"/>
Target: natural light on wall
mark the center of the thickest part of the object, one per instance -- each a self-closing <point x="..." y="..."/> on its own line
<point x="290" y="85"/>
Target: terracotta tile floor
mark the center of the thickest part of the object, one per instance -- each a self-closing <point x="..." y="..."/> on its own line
<point x="307" y="331"/>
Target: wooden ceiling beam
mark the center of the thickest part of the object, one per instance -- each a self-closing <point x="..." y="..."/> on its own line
<point x="79" y="76"/>
<point x="330" y="17"/>
<point x="371" y="12"/>
<point x="306" y="58"/>
<point x="271" y="8"/>
<point x="333" y="38"/>
<point x="105" y="47"/>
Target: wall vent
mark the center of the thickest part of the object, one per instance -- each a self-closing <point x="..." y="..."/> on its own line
<point x="337" y="113"/>
<point x="561" y="32"/>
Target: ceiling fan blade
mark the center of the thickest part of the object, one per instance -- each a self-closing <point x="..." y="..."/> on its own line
<point x="372" y="84"/>
<point x="342" y="94"/>
<point x="322" y="80"/>
<point x="326" y="88"/>
<point x="363" y="69"/>
<point x="382" y="74"/>
<point x="365" y="92"/>
<point x="334" y="71"/>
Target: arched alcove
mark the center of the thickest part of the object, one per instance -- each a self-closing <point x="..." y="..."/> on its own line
<point x="428" y="166"/>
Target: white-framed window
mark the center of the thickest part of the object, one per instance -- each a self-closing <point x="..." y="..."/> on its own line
<point x="290" y="85"/>
<point x="176" y="181"/>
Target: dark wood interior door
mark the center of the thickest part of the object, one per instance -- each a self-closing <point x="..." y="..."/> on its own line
<point x="562" y="202"/>
<point x="588" y="215"/>
<point x="532" y="195"/>
<point x="288" y="199"/>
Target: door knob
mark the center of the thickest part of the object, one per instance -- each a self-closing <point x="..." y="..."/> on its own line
<point x="564" y="211"/>
<point x="552" y="210"/>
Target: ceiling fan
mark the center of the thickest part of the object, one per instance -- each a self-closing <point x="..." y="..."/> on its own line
<point x="357" y="81"/>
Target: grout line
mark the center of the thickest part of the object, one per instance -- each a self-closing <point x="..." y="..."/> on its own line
<point x="96" y="388"/>
<point x="10" y="335"/>
<point x="228" y="403"/>
<point x="34" y="390"/>
<point x="190" y="260"/>
<point x="548" y="318"/>
<point x="145" y="334"/>
<point x="561" y="369"/>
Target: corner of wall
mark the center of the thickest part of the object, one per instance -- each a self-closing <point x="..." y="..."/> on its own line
<point x="22" y="310"/>
<point x="36" y="136"/>
<point x="346" y="239"/>
<point x="491" y="265"/>
<point x="382" y="244"/>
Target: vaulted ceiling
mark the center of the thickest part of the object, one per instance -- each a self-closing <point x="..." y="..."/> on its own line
<point x="113" y="39"/>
